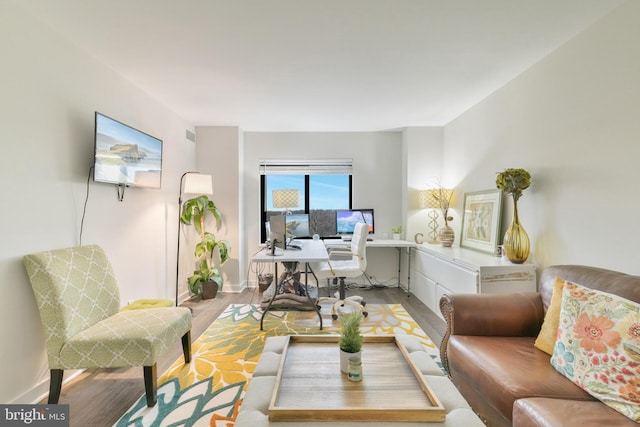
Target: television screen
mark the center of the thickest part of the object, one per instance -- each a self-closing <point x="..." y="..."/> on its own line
<point x="298" y="225"/>
<point x="346" y="220"/>
<point x="126" y="156"/>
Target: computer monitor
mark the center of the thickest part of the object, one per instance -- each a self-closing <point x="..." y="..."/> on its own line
<point x="297" y="225"/>
<point x="346" y="220"/>
<point x="277" y="233"/>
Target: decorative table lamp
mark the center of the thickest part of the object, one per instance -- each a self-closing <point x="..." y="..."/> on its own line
<point x="286" y="199"/>
<point x="428" y="200"/>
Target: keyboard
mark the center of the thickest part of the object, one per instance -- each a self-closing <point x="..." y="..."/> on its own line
<point x="296" y="245"/>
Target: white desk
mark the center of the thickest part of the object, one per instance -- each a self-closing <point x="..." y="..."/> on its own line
<point x="312" y="251"/>
<point x="384" y="243"/>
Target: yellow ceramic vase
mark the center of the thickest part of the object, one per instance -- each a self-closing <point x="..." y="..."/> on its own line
<point x="516" y="240"/>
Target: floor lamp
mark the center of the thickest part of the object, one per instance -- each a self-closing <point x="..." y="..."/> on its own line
<point x="190" y="183"/>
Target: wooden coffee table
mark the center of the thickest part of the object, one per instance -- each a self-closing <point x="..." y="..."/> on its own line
<point x="311" y="387"/>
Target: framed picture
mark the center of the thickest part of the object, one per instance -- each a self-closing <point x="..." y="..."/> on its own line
<point x="481" y="220"/>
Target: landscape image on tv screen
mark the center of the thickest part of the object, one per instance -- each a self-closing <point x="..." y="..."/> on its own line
<point x="126" y="156"/>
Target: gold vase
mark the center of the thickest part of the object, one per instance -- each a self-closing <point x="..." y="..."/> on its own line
<point x="516" y="240"/>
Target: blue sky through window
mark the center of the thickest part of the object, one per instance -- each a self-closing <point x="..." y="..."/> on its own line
<point x="326" y="191"/>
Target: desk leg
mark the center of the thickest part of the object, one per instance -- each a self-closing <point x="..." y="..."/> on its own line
<point x="314" y="304"/>
<point x="399" y="264"/>
<point x="306" y="288"/>
<point x="409" y="272"/>
<point x="408" y="267"/>
<point x="275" y="293"/>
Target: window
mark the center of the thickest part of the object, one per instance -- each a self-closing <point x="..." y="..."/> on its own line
<point x="322" y="186"/>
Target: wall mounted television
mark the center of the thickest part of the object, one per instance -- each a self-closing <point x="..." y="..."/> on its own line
<point x="346" y="220"/>
<point x="125" y="156"/>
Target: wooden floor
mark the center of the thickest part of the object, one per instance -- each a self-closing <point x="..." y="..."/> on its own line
<point x="99" y="397"/>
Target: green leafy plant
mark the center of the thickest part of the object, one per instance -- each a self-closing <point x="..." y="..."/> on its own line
<point x="397" y="229"/>
<point x="350" y="338"/>
<point x="513" y="181"/>
<point x="194" y="211"/>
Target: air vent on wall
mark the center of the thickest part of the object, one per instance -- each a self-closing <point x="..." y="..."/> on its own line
<point x="191" y="136"/>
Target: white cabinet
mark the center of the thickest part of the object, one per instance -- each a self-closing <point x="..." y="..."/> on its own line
<point x="438" y="270"/>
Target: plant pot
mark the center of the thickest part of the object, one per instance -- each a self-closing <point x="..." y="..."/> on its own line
<point x="208" y="290"/>
<point x="396" y="236"/>
<point x="264" y="281"/>
<point x="344" y="360"/>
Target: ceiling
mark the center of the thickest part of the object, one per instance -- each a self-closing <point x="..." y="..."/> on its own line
<point x="319" y="65"/>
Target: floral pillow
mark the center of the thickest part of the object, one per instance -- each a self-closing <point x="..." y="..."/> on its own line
<point x="598" y="346"/>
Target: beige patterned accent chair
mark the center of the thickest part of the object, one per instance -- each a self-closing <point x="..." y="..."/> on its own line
<point x="79" y="302"/>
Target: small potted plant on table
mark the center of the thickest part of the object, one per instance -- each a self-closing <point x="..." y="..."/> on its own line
<point x="351" y="339"/>
<point x="397" y="232"/>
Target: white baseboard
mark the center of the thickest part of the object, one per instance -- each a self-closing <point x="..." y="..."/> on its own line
<point x="40" y="391"/>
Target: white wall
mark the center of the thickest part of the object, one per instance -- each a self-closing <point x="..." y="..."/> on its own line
<point x="573" y="121"/>
<point x="50" y="91"/>
<point x="377" y="179"/>
<point x="423" y="146"/>
<point x="218" y="154"/>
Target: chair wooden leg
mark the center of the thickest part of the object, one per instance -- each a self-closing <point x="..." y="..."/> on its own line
<point x="186" y="346"/>
<point x="151" y="384"/>
<point x="55" y="385"/>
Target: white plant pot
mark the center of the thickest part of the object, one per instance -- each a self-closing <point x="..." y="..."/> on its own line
<point x="396" y="236"/>
<point x="344" y="360"/>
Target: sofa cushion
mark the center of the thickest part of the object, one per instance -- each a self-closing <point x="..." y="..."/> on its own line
<point x="596" y="329"/>
<point x="549" y="332"/>
<point x="543" y="411"/>
<point x="501" y="370"/>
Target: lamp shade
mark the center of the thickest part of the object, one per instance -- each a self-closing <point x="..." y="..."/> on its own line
<point x="198" y="183"/>
<point x="285" y="198"/>
<point x="428" y="199"/>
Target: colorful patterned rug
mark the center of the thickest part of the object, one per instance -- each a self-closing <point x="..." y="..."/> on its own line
<point x="209" y="390"/>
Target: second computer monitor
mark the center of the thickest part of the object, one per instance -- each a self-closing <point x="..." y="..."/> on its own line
<point x="346" y="220"/>
<point x="297" y="225"/>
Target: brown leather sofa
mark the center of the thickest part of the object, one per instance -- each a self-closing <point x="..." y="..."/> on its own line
<point x="488" y="351"/>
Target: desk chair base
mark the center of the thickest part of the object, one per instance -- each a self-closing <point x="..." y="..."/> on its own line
<point x="340" y="300"/>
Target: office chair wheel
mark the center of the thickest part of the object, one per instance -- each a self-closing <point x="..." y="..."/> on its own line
<point x="365" y="313"/>
<point x="334" y="316"/>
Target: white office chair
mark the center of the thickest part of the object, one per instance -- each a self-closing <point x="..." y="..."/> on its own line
<point x="344" y="264"/>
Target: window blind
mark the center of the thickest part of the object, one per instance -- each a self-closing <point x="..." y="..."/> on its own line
<point x="306" y="167"/>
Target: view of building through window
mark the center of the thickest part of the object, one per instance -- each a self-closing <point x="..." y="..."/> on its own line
<point x="318" y="195"/>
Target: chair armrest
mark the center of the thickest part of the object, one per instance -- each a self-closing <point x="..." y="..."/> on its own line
<point x="516" y="315"/>
<point x="341" y="253"/>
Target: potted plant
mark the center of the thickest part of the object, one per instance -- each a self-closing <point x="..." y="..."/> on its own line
<point x="514" y="181"/>
<point x="397" y="232"/>
<point x="206" y="279"/>
<point x="351" y="339"/>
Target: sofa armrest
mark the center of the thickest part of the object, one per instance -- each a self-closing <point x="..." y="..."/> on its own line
<point x="517" y="315"/>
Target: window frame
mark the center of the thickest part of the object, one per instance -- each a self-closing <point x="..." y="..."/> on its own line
<point x="307" y="178"/>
